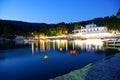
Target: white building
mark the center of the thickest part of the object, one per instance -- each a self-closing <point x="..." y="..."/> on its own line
<point x="92" y="31"/>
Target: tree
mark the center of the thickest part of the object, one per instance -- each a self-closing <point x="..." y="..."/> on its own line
<point x="112" y="23"/>
<point x="61" y="29"/>
<point x="77" y="25"/>
<point x="30" y="28"/>
<point x="52" y="32"/>
<point x="43" y="28"/>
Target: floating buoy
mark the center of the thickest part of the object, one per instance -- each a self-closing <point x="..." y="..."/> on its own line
<point x="73" y="52"/>
<point x="45" y="57"/>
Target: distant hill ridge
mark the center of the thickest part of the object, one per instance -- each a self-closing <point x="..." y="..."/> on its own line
<point x="24" y="24"/>
<point x="25" y="28"/>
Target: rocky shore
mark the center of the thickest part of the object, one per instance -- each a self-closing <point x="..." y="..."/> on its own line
<point x="106" y="69"/>
<point x="74" y="75"/>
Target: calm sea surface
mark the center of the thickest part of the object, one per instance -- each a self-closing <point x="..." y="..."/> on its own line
<point x="49" y="58"/>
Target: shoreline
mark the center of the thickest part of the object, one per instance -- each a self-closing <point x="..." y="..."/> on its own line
<point x="74" y="75"/>
<point x="106" y="69"/>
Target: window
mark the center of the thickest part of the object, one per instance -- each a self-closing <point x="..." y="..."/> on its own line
<point x="76" y="31"/>
<point x="97" y="29"/>
<point x="91" y="30"/>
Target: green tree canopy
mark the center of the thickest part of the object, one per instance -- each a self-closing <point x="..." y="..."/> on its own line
<point x="77" y="25"/>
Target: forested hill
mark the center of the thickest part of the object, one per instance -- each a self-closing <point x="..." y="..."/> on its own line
<point x="22" y="28"/>
<point x="8" y="27"/>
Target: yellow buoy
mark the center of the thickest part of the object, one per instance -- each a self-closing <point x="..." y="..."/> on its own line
<point x="45" y="57"/>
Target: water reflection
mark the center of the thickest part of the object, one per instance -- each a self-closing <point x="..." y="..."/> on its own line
<point x="32" y="48"/>
<point x="111" y="50"/>
<point x="67" y="55"/>
<point x="12" y="45"/>
<point x="67" y="45"/>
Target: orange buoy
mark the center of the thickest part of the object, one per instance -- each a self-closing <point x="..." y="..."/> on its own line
<point x="73" y="52"/>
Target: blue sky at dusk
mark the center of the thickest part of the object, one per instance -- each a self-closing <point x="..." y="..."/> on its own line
<point x="55" y="11"/>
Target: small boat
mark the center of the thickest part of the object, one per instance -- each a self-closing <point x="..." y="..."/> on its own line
<point x="30" y="40"/>
<point x="19" y="40"/>
<point x="115" y="42"/>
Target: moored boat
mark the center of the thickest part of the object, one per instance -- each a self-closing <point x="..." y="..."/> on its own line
<point x="115" y="42"/>
<point x="27" y="40"/>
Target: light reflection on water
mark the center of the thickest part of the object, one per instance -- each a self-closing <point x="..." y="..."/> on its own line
<point x="47" y="59"/>
<point x="66" y="45"/>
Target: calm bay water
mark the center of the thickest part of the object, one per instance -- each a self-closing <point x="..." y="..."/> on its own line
<point x="31" y="63"/>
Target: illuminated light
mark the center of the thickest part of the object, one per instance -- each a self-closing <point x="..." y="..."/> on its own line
<point x="94" y="41"/>
<point x="45" y="57"/>
<point x="36" y="37"/>
<point x="98" y="35"/>
<point x="32" y="33"/>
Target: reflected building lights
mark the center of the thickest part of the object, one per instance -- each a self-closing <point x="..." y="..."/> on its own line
<point x="65" y="45"/>
<point x="42" y="45"/>
<point x="73" y="46"/>
<point x="54" y="45"/>
<point x="47" y="44"/>
<point x="58" y="43"/>
<point x="62" y="44"/>
<point x="32" y="47"/>
<point x="78" y="43"/>
<point x="94" y="44"/>
<point x="36" y="44"/>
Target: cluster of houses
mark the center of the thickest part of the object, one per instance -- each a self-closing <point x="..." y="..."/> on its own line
<point x="89" y="31"/>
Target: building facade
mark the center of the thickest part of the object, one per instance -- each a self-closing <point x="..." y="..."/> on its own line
<point x="92" y="30"/>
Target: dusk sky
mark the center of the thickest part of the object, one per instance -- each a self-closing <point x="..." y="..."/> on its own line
<point x="55" y="11"/>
